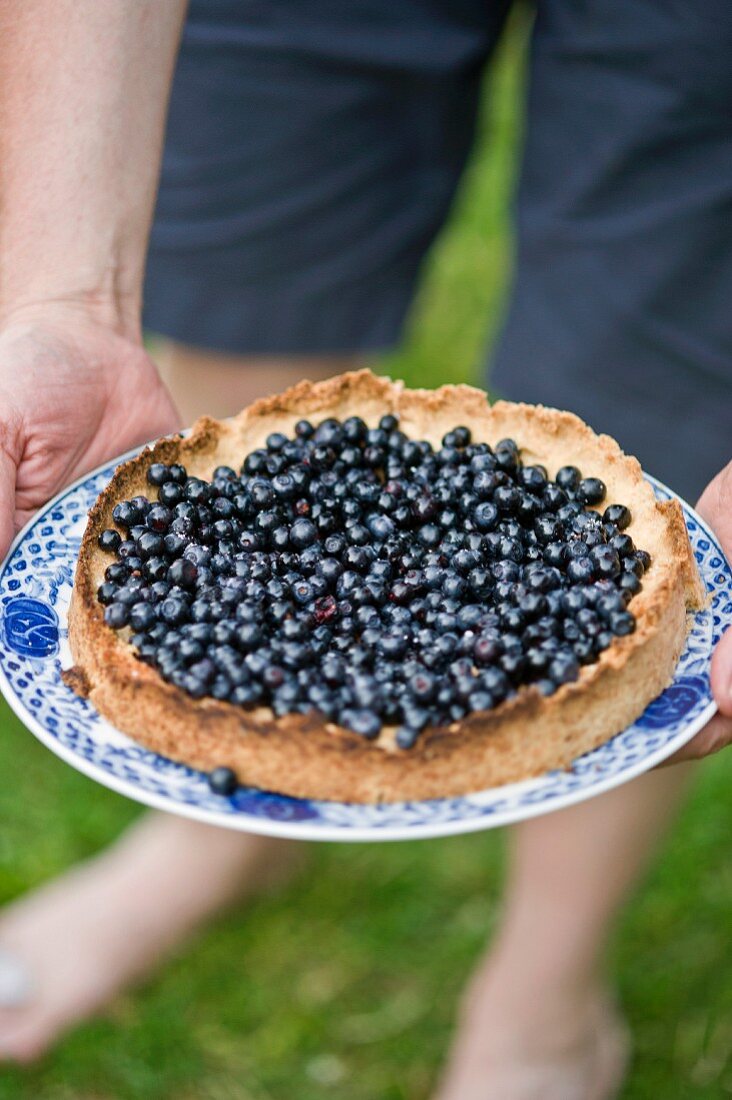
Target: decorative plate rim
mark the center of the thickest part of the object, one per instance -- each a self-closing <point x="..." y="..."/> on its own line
<point x="308" y="830"/>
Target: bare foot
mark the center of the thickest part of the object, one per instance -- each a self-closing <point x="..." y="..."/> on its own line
<point x="67" y="948"/>
<point x="546" y="1053"/>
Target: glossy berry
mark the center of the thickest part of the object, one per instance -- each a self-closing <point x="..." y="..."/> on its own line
<point x="622" y="622"/>
<point x="591" y="490"/>
<point x="223" y="781"/>
<point x="619" y="515"/>
<point x="106" y="593"/>
<point x="303" y="533"/>
<point x="159" y="518"/>
<point x="109" y="540"/>
<point x="117" y="615"/>
<point x="142" y="616"/>
<point x="364" y="722"/>
<point x="568" y="478"/>
<point x="158" y="473"/>
<point x="183" y="572"/>
<point x="406" y="737"/>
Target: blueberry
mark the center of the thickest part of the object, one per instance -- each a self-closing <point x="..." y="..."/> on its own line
<point x="591" y="490"/>
<point x="629" y="582"/>
<point x="223" y="781"/>
<point x="177" y="473"/>
<point x="644" y="558"/>
<point x="547" y="529"/>
<point x="125" y="514"/>
<point x="555" y="499"/>
<point x="486" y="482"/>
<point x="366" y="723"/>
<point x="322" y="457"/>
<point x="564" y="668"/>
<point x="533" y="478"/>
<point x="170" y="494"/>
<point x="158" y="474"/>
<point x="618" y="515"/>
<point x="568" y="478"/>
<point x="276" y="441"/>
<point x="622" y="543"/>
<point x="142" y="616"/>
<point x="622" y="622"/>
<point x="174" y="611"/>
<point x="480" y="700"/>
<point x="605" y="560"/>
<point x="381" y="527"/>
<point x="632" y="563"/>
<point x="556" y="554"/>
<point x="196" y="490"/>
<point x="507" y="458"/>
<point x="106" y="593"/>
<point x="581" y="570"/>
<point x="609" y="604"/>
<point x="485" y="516"/>
<point x="406" y="737"/>
<point x="495" y="681"/>
<point x="303" y="533"/>
<point x="150" y="545"/>
<point x="423" y="686"/>
<point x="116" y="615"/>
<point x="183" y="572"/>
<point x="109" y="540"/>
<point x="354" y="429"/>
<point x="506" y="498"/>
<point x="304" y="429"/>
<point x="487" y="648"/>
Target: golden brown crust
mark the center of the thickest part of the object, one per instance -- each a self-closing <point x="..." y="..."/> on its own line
<point x="306" y="756"/>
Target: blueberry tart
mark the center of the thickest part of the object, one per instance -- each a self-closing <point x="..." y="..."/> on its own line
<point x="361" y="592"/>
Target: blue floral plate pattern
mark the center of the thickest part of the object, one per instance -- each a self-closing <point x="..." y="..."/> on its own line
<point x="35" y="589"/>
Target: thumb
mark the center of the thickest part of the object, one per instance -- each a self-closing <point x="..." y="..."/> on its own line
<point x="7" y="501"/>
<point x="715" y="506"/>
<point x="10" y="447"/>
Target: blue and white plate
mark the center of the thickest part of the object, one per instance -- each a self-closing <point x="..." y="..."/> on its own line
<point x="35" y="589"/>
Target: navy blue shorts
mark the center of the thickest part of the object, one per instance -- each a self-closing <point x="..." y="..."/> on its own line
<point x="314" y="147"/>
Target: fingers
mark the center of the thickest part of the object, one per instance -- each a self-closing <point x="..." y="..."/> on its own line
<point x="7" y="501"/>
<point x="721" y="674"/>
<point x="715" y="506"/>
<point x="716" y="735"/>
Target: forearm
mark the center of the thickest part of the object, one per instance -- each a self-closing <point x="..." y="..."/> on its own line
<point x="83" y="95"/>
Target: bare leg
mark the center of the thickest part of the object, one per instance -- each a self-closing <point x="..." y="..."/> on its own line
<point x="537" y="1022"/>
<point x="102" y="925"/>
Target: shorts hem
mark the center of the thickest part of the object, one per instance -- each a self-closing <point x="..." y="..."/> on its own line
<point x="364" y="317"/>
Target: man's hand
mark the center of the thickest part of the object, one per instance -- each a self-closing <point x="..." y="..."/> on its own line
<point x="715" y="506"/>
<point x="73" y="393"/>
<point x="83" y="92"/>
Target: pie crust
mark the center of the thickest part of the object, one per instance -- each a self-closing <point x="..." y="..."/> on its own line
<point x="307" y="756"/>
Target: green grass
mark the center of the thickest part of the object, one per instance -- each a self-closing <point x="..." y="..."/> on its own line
<point x="345" y="986"/>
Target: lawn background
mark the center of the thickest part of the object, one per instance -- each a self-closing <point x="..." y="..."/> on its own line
<point x="345" y="986"/>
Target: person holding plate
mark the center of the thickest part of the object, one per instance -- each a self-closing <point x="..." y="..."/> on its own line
<point x="312" y="153"/>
